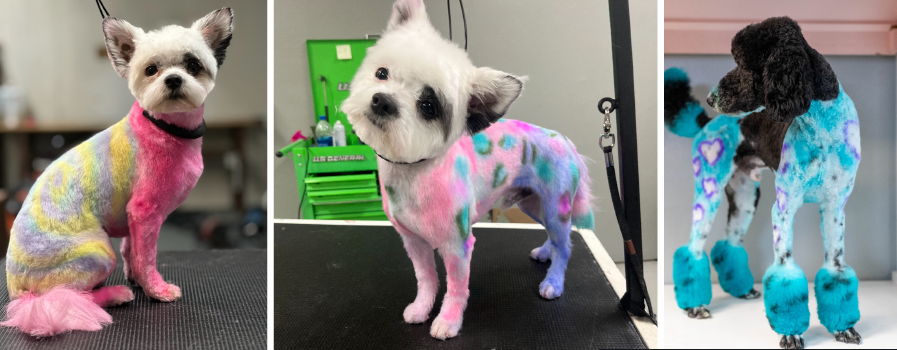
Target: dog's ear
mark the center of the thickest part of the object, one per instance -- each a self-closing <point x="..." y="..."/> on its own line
<point x="787" y="71"/>
<point x="825" y="83"/>
<point x="120" y="43"/>
<point x="492" y="93"/>
<point x="787" y="83"/>
<point x="217" y="28"/>
<point x="406" y="11"/>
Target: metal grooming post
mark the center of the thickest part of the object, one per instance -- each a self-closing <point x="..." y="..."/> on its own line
<point x="627" y="152"/>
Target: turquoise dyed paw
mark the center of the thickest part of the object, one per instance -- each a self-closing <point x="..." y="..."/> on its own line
<point x="731" y="264"/>
<point x="692" y="279"/>
<point x="786" y="296"/>
<point x="836" y="299"/>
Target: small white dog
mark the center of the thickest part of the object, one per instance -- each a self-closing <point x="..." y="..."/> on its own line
<point x="122" y="182"/>
<point x="447" y="157"/>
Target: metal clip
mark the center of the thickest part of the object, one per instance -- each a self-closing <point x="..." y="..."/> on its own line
<point x="613" y="140"/>
<point x="606" y="121"/>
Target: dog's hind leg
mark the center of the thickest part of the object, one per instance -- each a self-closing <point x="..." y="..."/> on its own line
<point x="421" y="254"/>
<point x="836" y="283"/>
<point x="784" y="285"/>
<point x="728" y="256"/>
<point x="556" y="220"/>
<point x="457" y="270"/>
<point x="691" y="266"/>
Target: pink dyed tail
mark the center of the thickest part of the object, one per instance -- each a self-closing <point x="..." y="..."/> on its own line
<point x="582" y="202"/>
<point x="60" y="310"/>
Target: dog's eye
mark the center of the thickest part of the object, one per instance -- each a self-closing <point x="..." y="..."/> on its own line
<point x="193" y="67"/>
<point x="428" y="108"/>
<point x="151" y="71"/>
<point x="382" y="74"/>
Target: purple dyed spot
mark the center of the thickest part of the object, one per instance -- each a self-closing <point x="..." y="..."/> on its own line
<point x="781" y="199"/>
<point x="711" y="150"/>
<point x="696" y="165"/>
<point x="710" y="187"/>
<point x="697" y="213"/>
<point x="852" y="137"/>
<point x="784" y="168"/>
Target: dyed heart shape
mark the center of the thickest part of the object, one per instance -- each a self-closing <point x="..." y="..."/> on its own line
<point x="696" y="165"/>
<point x="697" y="213"/>
<point x="711" y="150"/>
<point x="710" y="187"/>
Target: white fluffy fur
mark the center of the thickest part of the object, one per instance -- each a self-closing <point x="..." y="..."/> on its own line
<point x="416" y="55"/>
<point x="165" y="48"/>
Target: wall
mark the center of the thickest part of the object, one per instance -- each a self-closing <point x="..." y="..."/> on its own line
<point x="54" y="49"/>
<point x="564" y="47"/>
<point x="870" y="246"/>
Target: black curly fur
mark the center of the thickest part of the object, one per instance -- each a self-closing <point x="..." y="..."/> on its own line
<point x="776" y="69"/>
<point x="676" y="95"/>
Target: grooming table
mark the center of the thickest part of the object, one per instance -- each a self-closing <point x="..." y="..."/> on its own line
<point x="346" y="286"/>
<point x="223" y="307"/>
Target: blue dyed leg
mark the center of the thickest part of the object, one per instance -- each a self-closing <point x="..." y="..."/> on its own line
<point x="542" y="253"/>
<point x="729" y="257"/>
<point x="836" y="283"/>
<point x="558" y="227"/>
<point x="786" y="294"/>
<point x="691" y="266"/>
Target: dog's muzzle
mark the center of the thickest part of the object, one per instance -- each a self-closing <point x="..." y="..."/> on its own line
<point x="382" y="105"/>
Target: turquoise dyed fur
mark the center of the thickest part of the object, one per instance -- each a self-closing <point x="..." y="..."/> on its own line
<point x="786" y="296"/>
<point x="692" y="279"/>
<point x="731" y="263"/>
<point x="836" y="299"/>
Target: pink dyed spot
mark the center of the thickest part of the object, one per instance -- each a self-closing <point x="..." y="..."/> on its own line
<point x="564" y="204"/>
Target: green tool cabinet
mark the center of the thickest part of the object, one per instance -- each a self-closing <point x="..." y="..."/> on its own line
<point x="335" y="183"/>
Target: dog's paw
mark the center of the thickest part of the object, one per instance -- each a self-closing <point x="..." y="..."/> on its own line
<point x="699" y="313"/>
<point x="850" y="336"/>
<point x="753" y="294"/>
<point x="443" y="329"/>
<point x="164" y="292"/>
<point x="119" y="295"/>
<point x="548" y="291"/>
<point x="791" y="342"/>
<point x="540" y="254"/>
<point x="416" y="313"/>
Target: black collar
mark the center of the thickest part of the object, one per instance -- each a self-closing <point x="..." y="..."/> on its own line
<point x="384" y="158"/>
<point x="175" y="130"/>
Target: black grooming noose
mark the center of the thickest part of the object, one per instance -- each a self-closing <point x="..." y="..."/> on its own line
<point x="631" y="257"/>
<point x="463" y="17"/>
<point x="102" y="8"/>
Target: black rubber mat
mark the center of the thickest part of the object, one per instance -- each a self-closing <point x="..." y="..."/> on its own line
<point x="223" y="307"/>
<point x="339" y="287"/>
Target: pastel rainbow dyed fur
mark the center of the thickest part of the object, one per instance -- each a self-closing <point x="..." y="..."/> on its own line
<point x="433" y="204"/>
<point x="122" y="182"/>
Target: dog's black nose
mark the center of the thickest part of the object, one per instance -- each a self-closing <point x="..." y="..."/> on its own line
<point x="173" y="81"/>
<point x="383" y="105"/>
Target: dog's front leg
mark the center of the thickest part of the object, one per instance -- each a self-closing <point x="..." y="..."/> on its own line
<point x="457" y="270"/>
<point x="421" y="253"/>
<point x="144" y="221"/>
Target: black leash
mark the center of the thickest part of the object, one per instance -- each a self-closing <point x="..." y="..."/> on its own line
<point x="636" y="296"/>
<point x="463" y="17"/>
<point x="175" y="130"/>
<point x="102" y="8"/>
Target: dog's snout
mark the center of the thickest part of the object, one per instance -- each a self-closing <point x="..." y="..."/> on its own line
<point x="173" y="81"/>
<point x="382" y="104"/>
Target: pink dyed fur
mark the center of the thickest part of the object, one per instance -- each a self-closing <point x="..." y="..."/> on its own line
<point x="167" y="169"/>
<point x="60" y="310"/>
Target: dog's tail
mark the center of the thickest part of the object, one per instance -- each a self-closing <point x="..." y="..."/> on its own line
<point x="60" y="310"/>
<point x="683" y="115"/>
<point x="581" y="209"/>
